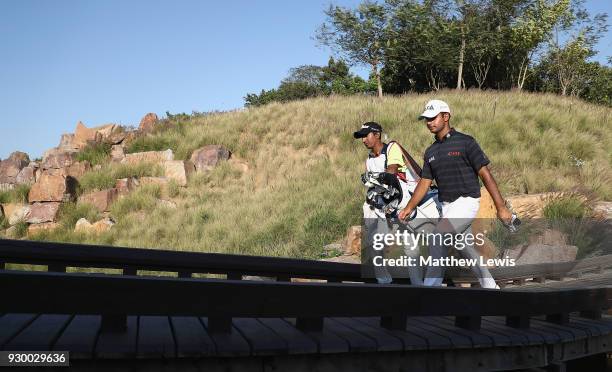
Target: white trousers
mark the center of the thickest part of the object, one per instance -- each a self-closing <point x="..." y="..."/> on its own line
<point x="457" y="218"/>
<point x="374" y="223"/>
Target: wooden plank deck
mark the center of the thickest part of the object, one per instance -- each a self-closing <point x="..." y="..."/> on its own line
<point x="157" y="337"/>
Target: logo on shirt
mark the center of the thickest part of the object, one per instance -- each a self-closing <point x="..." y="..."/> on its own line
<point x="454" y="153"/>
<point x="431" y="159"/>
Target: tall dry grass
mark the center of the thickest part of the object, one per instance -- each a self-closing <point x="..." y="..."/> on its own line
<point x="302" y="188"/>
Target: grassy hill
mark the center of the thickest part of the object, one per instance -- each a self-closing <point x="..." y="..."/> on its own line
<point x="293" y="183"/>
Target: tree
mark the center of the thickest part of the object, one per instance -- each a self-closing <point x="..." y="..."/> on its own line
<point x="532" y="28"/>
<point x="359" y="35"/>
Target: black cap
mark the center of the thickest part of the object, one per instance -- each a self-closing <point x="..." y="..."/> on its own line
<point x="369" y="127"/>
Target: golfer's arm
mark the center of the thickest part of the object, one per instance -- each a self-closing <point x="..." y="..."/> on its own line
<point x="392" y="168"/>
<point x="489" y="183"/>
<point x="419" y="193"/>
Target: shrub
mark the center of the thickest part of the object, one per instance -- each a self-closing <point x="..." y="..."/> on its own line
<point x="95" y="154"/>
<point x="106" y="177"/>
<point x="17" y="195"/>
<point x="150" y="143"/>
<point x="70" y="213"/>
<point x="566" y="208"/>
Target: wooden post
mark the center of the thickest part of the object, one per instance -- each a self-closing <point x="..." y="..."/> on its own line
<point x="219" y="324"/>
<point x="518" y="321"/>
<point x="309" y="324"/>
<point x="283" y="278"/>
<point x="559" y="318"/>
<point x="184" y="274"/>
<point x="468" y="322"/>
<point x="129" y="271"/>
<point x="114" y="323"/>
<point x="394" y="322"/>
<point x="234" y="276"/>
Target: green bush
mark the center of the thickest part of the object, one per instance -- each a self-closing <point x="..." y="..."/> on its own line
<point x="70" y="213"/>
<point x="95" y="154"/>
<point x="566" y="208"/>
<point x="151" y="143"/>
<point x="17" y="195"/>
<point x="21" y="230"/>
<point x="106" y="177"/>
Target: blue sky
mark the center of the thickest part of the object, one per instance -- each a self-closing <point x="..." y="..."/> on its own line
<point x="113" y="61"/>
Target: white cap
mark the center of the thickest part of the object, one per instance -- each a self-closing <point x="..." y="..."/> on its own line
<point x="433" y="108"/>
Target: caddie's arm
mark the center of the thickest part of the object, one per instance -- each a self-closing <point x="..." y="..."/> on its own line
<point x="419" y="193"/>
<point x="503" y="213"/>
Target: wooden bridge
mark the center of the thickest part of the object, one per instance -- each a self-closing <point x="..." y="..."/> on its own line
<point x="337" y="320"/>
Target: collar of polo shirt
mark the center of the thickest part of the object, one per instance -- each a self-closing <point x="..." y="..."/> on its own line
<point x="448" y="135"/>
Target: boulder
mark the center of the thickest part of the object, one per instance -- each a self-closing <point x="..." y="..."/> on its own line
<point x="52" y="188"/>
<point x="26" y="176"/>
<point x="84" y="136"/>
<point x="147" y="123"/>
<point x="166" y="204"/>
<point x="67" y="143"/>
<point x="103" y="225"/>
<point x="161" y="181"/>
<point x="178" y="170"/>
<point x="37" y="228"/>
<point x="82" y="225"/>
<point x="207" y="157"/>
<point x="102" y="200"/>
<point x="532" y="205"/>
<point x="10" y="168"/>
<point x="541" y="253"/>
<point x="76" y="170"/>
<point x="157" y="157"/>
<point x="58" y="158"/>
<point x="125" y="186"/>
<point x="117" y="153"/>
<point x="352" y="243"/>
<point x="15" y="212"/>
<point x="602" y="210"/>
<point x="487" y="214"/>
<point x="43" y="212"/>
<point x="117" y="137"/>
<point x="550" y="237"/>
<point x="105" y="131"/>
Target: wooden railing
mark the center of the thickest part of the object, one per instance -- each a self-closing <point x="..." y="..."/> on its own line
<point x="116" y="296"/>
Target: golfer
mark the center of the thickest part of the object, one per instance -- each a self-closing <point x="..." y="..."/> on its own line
<point x="455" y="161"/>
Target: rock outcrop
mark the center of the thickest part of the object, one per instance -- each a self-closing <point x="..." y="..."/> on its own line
<point x="11" y="167"/>
<point x="178" y="170"/>
<point x="43" y="212"/>
<point x="52" y="188"/>
<point x="147" y="123"/>
<point x="156" y="157"/>
<point x="101" y="200"/>
<point x="208" y="157"/>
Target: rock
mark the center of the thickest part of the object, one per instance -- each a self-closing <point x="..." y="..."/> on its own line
<point x="532" y="205"/>
<point x="43" y="212"/>
<point x="487" y="214"/>
<point x="117" y="153"/>
<point x="58" y="158"/>
<point x="102" y="200"/>
<point x="602" y="210"/>
<point x="84" y="136"/>
<point x="166" y="204"/>
<point x="178" y="170"/>
<point x="15" y="212"/>
<point x="157" y="157"/>
<point x="352" y="243"/>
<point x="486" y="250"/>
<point x="10" y="168"/>
<point x="117" y="137"/>
<point x="37" y="228"/>
<point x="345" y="258"/>
<point x="105" y="131"/>
<point x="147" y="123"/>
<point x="161" y="181"/>
<point x="125" y="186"/>
<point x="52" y="188"/>
<point x="67" y="143"/>
<point x="26" y="176"/>
<point x="542" y="253"/>
<point x="103" y="225"/>
<point x="207" y="157"/>
<point x="82" y="225"/>
<point x="550" y="237"/>
<point x="75" y="170"/>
